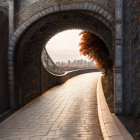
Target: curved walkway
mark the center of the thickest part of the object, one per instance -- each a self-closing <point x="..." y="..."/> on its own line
<point x="66" y="112"/>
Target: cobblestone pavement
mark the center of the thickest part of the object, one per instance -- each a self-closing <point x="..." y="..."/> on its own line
<point x="66" y="112"/>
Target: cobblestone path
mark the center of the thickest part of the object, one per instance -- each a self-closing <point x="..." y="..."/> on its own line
<point x="66" y="112"/>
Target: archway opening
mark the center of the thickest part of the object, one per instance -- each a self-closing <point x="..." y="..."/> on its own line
<point x="63" y="50"/>
<point x="31" y="79"/>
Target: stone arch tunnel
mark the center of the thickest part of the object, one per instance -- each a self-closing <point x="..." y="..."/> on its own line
<point x="28" y="52"/>
<point x="33" y="23"/>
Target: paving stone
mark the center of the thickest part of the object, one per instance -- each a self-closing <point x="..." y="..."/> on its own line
<point x="68" y="112"/>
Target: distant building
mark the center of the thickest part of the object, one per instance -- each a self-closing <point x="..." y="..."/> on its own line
<point x="69" y="62"/>
<point x="75" y="64"/>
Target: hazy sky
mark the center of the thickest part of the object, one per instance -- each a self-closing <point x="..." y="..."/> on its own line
<point x="64" y="46"/>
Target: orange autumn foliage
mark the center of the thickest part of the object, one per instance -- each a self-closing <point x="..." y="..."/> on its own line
<point x="93" y="47"/>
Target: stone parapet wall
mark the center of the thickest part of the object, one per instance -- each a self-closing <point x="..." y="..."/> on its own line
<point x="39" y="81"/>
<point x="49" y="80"/>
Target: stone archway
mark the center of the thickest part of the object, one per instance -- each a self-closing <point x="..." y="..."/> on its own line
<point x="96" y="12"/>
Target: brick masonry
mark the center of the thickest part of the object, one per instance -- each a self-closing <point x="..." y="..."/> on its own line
<point x="25" y="11"/>
<point x="131" y="57"/>
<point x="101" y="13"/>
<point x="135" y="54"/>
<point x="3" y="63"/>
<point x="30" y="78"/>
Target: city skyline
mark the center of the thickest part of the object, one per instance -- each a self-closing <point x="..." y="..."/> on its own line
<point x="75" y="64"/>
<point x="78" y="62"/>
<point x="64" y="46"/>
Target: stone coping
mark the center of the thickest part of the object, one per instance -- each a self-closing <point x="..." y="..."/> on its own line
<point x="111" y="127"/>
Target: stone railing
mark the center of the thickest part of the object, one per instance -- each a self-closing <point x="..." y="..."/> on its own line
<point x="51" y="75"/>
<point x="50" y="80"/>
<point x="49" y="65"/>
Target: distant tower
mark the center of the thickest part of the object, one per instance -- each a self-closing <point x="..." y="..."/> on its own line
<point x="69" y="62"/>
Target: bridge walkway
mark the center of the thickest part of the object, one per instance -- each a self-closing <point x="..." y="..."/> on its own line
<point x="65" y="112"/>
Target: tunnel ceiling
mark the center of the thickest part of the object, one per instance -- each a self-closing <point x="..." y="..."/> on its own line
<point x="40" y="32"/>
<point x="27" y="8"/>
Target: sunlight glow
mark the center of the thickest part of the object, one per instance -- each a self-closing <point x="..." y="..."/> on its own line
<point x="64" y="46"/>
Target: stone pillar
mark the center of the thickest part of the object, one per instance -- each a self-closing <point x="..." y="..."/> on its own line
<point x="11" y="31"/>
<point x="118" y="57"/>
<point x="11" y="18"/>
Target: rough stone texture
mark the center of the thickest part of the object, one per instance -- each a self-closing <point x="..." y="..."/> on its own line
<point x="37" y="6"/>
<point x="28" y="85"/>
<point x="102" y="20"/>
<point x="48" y="63"/>
<point x="118" y="57"/>
<point x="3" y="63"/>
<point x="127" y="58"/>
<point x="28" y="52"/>
<point x="4" y="6"/>
<point x="66" y="112"/>
<point x="135" y="54"/>
<point x="111" y="127"/>
<point x="50" y="25"/>
<point x="49" y="80"/>
<point x="131" y="56"/>
<point x="3" y="1"/>
<point x="11" y="14"/>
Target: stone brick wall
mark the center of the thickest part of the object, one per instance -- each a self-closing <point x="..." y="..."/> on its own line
<point x="3" y="63"/>
<point x="26" y="9"/>
<point x="27" y="72"/>
<point x="31" y="75"/>
<point x="3" y="2"/>
<point x="33" y="79"/>
<point x="49" y="80"/>
<point x="131" y="56"/>
<point x="135" y="54"/>
<point x="126" y="59"/>
<point x="27" y="52"/>
<point x="24" y="3"/>
<point x="4" y="6"/>
<point x="29" y="11"/>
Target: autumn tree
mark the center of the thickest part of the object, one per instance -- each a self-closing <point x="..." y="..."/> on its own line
<point x="96" y="50"/>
